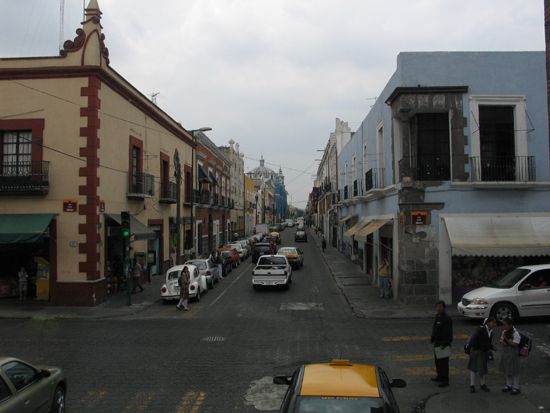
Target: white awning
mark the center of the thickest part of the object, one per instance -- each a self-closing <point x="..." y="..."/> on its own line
<point x="353" y="230"/>
<point x="499" y="235"/>
<point x="374" y="225"/>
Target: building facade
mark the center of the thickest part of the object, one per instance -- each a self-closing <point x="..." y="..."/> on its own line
<point x="448" y="175"/>
<point x="78" y="145"/>
<point x="236" y="187"/>
<point x="250" y="206"/>
<point x="265" y="188"/>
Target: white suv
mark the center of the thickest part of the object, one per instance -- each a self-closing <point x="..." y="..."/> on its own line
<point x="523" y="292"/>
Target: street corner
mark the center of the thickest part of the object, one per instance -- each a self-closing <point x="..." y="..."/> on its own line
<point x="264" y="395"/>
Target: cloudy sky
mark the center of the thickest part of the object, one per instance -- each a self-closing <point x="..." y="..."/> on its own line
<point x="272" y="74"/>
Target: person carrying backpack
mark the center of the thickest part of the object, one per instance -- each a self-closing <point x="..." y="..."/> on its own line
<point x="509" y="363"/>
<point x="479" y="346"/>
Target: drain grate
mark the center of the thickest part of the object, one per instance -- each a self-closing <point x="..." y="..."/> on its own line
<point x="213" y="339"/>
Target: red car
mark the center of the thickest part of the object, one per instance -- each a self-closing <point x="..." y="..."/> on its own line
<point x="234" y="255"/>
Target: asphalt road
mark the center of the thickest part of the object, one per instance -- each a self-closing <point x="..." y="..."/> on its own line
<point x="220" y="356"/>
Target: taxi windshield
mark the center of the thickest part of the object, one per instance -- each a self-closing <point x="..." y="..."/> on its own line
<point x="286" y="251"/>
<point x="339" y="404"/>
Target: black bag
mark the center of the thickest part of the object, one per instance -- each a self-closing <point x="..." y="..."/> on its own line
<point x="525" y="344"/>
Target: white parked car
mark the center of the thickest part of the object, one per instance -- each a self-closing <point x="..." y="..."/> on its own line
<point x="272" y="270"/>
<point x="246" y="247"/>
<point x="523" y="292"/>
<point x="171" y="290"/>
<point x="207" y="268"/>
<point x="240" y="249"/>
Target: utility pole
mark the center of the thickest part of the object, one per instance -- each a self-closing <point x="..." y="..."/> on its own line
<point x="177" y="174"/>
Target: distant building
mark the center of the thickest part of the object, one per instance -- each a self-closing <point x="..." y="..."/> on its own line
<point x="236" y="187"/>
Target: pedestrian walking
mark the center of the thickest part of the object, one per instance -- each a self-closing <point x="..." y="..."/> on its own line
<point x="324" y="244"/>
<point x="441" y="339"/>
<point x="509" y="362"/>
<point x="137" y="270"/>
<point x="23" y="279"/>
<point x="384" y="275"/>
<point x="183" y="281"/>
<point x="480" y="344"/>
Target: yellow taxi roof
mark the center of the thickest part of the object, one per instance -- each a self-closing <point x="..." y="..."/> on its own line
<point x="340" y="378"/>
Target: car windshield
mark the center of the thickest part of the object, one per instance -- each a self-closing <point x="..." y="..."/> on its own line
<point x="338" y="404"/>
<point x="510" y="279"/>
<point x="262" y="248"/>
<point x="272" y="261"/>
<point x="287" y="251"/>
<point x="201" y="265"/>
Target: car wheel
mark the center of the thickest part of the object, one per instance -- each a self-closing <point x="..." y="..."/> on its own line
<point x="58" y="404"/>
<point x="503" y="310"/>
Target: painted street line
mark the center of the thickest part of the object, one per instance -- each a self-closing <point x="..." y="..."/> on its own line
<point x="420" y="338"/>
<point x="230" y="285"/>
<point x="544" y="348"/>
<point x="140" y="403"/>
<point x="302" y="307"/>
<point x="191" y="402"/>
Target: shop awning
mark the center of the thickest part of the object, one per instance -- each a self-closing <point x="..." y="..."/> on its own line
<point x="140" y="231"/>
<point x="499" y="236"/>
<point x="372" y="226"/>
<point x="345" y="219"/>
<point x="202" y="174"/>
<point x="213" y="178"/>
<point x="23" y="228"/>
<point x="353" y="230"/>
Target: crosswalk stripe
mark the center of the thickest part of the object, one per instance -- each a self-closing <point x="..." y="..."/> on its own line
<point x="419" y="338"/>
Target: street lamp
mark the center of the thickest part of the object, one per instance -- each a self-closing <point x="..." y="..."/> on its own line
<point x="194" y="136"/>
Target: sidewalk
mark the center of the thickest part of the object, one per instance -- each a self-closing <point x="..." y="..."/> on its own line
<point x="114" y="307"/>
<point x="362" y="296"/>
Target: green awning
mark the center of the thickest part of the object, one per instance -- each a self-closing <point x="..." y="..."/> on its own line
<point x="23" y="228"/>
<point x="138" y="230"/>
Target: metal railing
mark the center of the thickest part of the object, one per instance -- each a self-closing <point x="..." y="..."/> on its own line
<point x="168" y="192"/>
<point x="24" y="177"/>
<point x="374" y="179"/>
<point x="141" y="185"/>
<point x="503" y="168"/>
<point x="429" y="167"/>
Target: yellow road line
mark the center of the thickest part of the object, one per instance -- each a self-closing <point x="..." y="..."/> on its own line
<point x="191" y="402"/>
<point x="428" y="357"/>
<point x="419" y="338"/>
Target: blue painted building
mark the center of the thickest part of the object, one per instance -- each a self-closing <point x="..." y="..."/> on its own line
<point x="281" y="195"/>
<point x="448" y="175"/>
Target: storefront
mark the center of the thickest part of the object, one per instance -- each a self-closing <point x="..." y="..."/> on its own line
<point x="27" y="241"/>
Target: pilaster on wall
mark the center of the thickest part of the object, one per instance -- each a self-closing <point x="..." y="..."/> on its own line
<point x="90" y="248"/>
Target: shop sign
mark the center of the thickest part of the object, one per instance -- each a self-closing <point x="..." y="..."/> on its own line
<point x="69" y="205"/>
<point x="419" y="217"/>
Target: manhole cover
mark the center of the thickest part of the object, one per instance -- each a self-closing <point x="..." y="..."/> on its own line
<point x="213" y="339"/>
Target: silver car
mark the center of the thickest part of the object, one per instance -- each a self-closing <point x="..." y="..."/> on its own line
<point x="207" y="268"/>
<point x="26" y="388"/>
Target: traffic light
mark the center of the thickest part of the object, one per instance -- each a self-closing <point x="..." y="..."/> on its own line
<point x="125" y="227"/>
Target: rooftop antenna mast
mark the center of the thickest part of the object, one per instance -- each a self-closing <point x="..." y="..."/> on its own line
<point x="61" y="22"/>
<point x="154" y="97"/>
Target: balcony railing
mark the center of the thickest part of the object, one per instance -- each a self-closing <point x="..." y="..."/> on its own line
<point x="216" y="199"/>
<point x="24" y="178"/>
<point x="168" y="193"/>
<point x="374" y="179"/>
<point x="503" y="168"/>
<point x="429" y="167"/>
<point x="204" y="198"/>
<point x="142" y="185"/>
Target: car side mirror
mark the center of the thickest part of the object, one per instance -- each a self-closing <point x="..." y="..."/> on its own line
<point x="398" y="383"/>
<point x="525" y="286"/>
<point x="285" y="380"/>
<point x="44" y="373"/>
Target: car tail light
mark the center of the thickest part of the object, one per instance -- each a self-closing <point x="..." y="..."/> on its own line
<point x="192" y="288"/>
<point x="163" y="290"/>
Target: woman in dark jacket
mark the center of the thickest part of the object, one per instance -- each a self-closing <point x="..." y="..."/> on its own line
<point x="480" y="346"/>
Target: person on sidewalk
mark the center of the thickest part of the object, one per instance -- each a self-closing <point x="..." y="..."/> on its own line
<point x="384" y="275"/>
<point x="324" y="244"/>
<point x="23" y="279"/>
<point x="137" y="270"/>
<point x="509" y="362"/>
<point x="183" y="282"/>
<point x="441" y="339"/>
<point x="480" y="346"/>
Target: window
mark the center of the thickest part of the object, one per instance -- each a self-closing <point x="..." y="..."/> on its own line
<point x="21" y="375"/>
<point x="135" y="169"/>
<point x="430" y="146"/>
<point x="5" y="392"/>
<point x="188" y="186"/>
<point x="15" y="147"/>
<point x="537" y="281"/>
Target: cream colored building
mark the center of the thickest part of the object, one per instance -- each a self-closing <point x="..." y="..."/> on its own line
<point x="236" y="159"/>
<point x="78" y="145"/>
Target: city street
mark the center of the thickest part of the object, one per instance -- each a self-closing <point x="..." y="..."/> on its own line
<point x="221" y="356"/>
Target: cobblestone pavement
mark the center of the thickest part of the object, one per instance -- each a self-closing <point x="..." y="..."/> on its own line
<point x="220" y="356"/>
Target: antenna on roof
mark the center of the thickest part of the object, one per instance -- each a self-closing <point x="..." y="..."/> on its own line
<point x="61" y="23"/>
<point x="154" y="97"/>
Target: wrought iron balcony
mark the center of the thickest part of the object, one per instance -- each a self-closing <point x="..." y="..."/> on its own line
<point x="503" y="168"/>
<point x="18" y="178"/>
<point x="168" y="193"/>
<point x="374" y="179"/>
<point x="142" y="185"/>
<point x="427" y="167"/>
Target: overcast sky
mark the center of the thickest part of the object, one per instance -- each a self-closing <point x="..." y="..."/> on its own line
<point x="273" y="74"/>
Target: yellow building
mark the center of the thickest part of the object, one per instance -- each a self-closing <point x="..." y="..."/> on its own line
<point x="250" y="206"/>
<point x="78" y="145"/>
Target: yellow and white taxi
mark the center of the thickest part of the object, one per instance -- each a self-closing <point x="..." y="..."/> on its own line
<point x="339" y="386"/>
<point x="295" y="256"/>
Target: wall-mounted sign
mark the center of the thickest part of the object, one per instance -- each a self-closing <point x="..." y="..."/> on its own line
<point x="419" y="217"/>
<point x="69" y="205"/>
<point x="101" y="206"/>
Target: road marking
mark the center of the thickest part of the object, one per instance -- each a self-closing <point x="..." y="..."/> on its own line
<point x="140" y="403"/>
<point x="430" y="371"/>
<point x="302" y="307"/>
<point x="428" y="357"/>
<point x="92" y="397"/>
<point x="213" y="339"/>
<point x="191" y="402"/>
<point x="230" y="285"/>
<point x="419" y="338"/>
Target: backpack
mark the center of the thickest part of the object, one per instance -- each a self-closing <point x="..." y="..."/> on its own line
<point x="525" y="344"/>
